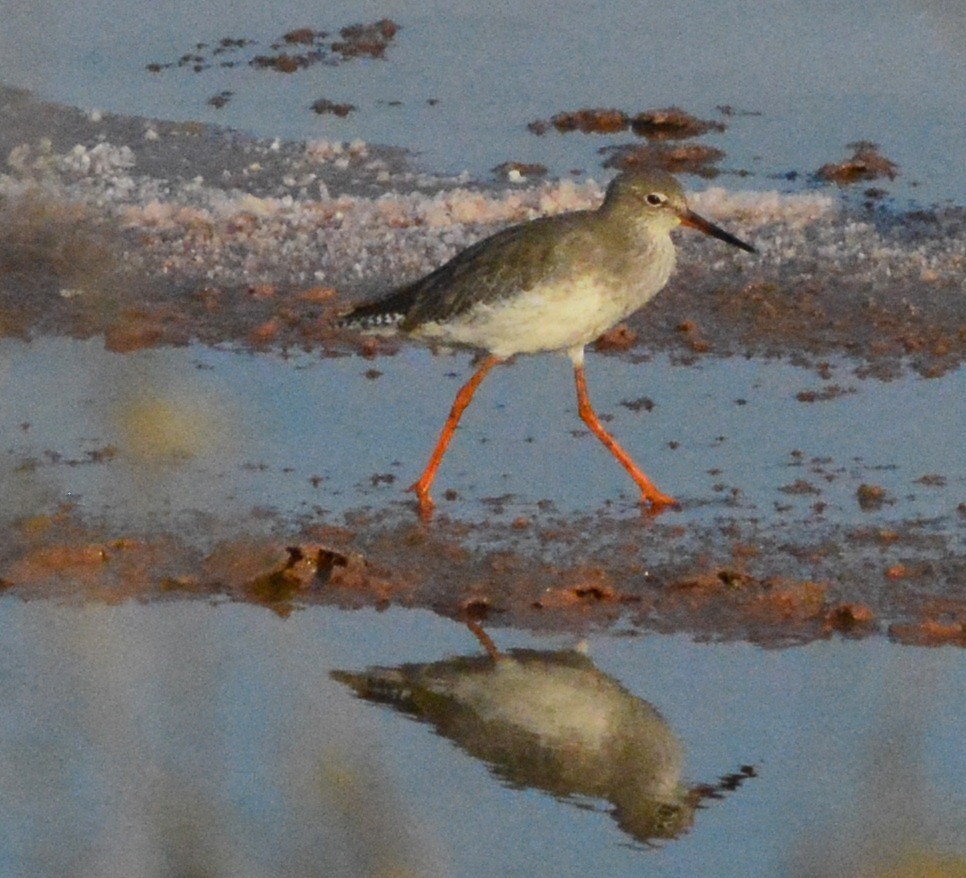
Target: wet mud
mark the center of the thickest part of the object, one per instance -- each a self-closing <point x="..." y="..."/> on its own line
<point x="744" y="580"/>
<point x="184" y="233"/>
<point x="156" y="234"/>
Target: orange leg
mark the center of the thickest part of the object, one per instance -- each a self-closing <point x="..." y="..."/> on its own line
<point x="463" y="399"/>
<point x="649" y="493"/>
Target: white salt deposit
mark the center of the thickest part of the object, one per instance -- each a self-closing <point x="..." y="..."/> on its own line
<point x="302" y="233"/>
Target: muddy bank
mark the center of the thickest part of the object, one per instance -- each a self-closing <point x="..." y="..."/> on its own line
<point x="751" y="580"/>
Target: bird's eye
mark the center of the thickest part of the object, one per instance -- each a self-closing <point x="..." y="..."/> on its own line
<point x="655" y="198"/>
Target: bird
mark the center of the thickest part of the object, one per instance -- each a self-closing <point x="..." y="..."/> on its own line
<point x="554" y="283"/>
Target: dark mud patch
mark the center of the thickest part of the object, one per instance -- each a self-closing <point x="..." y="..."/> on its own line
<point x="297" y="49"/>
<point x="668" y="123"/>
<point x="866" y="163"/>
<point x="696" y="159"/>
<point x="771" y="585"/>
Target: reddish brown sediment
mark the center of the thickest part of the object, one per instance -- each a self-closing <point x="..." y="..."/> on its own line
<point x="734" y="581"/>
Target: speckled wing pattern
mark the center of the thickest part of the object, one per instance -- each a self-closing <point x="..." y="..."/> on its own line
<point x="500" y="266"/>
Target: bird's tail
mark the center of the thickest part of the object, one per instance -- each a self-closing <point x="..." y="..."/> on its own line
<point x="382" y="314"/>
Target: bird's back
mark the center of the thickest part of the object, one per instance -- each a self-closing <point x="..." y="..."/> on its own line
<point x="496" y="268"/>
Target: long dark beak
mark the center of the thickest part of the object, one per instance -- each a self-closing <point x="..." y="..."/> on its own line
<point x="691" y="219"/>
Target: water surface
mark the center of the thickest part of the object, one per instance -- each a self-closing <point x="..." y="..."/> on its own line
<point x="153" y="738"/>
<point x="816" y="75"/>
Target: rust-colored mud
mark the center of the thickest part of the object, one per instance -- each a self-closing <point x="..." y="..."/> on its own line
<point x="668" y="123"/>
<point x="295" y="50"/>
<point x="865" y="164"/>
<point x="567" y="575"/>
<point x="678" y="159"/>
<point x="756" y="312"/>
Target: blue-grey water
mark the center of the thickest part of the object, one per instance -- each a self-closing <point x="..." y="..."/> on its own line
<point x="817" y="75"/>
<point x="200" y="430"/>
<point x="173" y="737"/>
<point x="143" y="739"/>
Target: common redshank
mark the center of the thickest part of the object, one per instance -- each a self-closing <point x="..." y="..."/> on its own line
<point x="552" y="284"/>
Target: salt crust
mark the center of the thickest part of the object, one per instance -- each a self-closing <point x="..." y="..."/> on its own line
<point x="303" y="234"/>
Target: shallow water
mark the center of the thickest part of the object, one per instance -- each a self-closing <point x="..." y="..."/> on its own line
<point x="145" y="439"/>
<point x="218" y="730"/>
<point x="821" y="75"/>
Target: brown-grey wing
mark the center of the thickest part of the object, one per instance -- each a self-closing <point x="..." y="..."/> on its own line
<point x="505" y="264"/>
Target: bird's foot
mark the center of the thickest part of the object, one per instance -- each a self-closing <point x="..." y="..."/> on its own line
<point x="426" y="504"/>
<point x="656" y="502"/>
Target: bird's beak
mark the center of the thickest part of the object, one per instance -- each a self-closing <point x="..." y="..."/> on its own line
<point x="691" y="219"/>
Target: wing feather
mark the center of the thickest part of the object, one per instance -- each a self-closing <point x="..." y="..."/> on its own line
<point x="501" y="266"/>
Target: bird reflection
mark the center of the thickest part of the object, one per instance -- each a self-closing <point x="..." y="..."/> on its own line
<point x="551" y="721"/>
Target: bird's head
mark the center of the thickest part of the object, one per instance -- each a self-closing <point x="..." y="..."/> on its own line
<point x="657" y="200"/>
